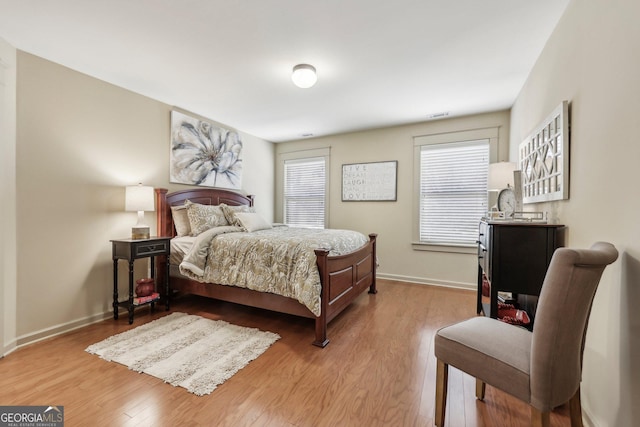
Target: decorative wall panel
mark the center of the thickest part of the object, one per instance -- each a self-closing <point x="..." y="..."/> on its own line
<point x="544" y="159"/>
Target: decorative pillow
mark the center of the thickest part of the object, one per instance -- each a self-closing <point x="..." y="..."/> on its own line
<point x="252" y="221"/>
<point x="181" y="220"/>
<point x="230" y="213"/>
<point x="204" y="217"/>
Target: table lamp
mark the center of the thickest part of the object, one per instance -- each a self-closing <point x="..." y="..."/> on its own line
<point x="139" y="198"/>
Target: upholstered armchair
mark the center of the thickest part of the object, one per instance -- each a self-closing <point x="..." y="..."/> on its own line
<point x="543" y="367"/>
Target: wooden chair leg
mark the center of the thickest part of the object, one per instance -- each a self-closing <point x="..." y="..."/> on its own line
<point x="540" y="419"/>
<point x="480" y="389"/>
<point x="575" y="410"/>
<point x="442" y="376"/>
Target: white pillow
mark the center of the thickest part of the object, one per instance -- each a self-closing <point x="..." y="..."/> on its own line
<point x="252" y="221"/>
<point x="181" y="220"/>
<point x="230" y="213"/>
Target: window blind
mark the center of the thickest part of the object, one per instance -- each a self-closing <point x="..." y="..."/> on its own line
<point x="453" y="191"/>
<point x="304" y="192"/>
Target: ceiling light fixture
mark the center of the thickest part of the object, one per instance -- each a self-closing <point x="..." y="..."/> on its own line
<point x="304" y="75"/>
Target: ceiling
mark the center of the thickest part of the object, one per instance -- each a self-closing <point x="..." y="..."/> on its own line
<point x="380" y="63"/>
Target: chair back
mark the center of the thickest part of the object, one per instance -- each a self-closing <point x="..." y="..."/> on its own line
<point x="561" y="322"/>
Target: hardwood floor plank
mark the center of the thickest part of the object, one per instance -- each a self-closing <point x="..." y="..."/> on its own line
<point x="378" y="370"/>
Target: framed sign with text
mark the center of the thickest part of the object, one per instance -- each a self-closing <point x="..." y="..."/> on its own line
<point x="376" y="181"/>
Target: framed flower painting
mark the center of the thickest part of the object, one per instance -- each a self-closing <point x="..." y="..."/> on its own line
<point x="204" y="154"/>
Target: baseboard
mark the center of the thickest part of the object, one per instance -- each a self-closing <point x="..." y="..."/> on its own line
<point x="9" y="348"/>
<point x="62" y="328"/>
<point x="426" y="281"/>
<point x="53" y="331"/>
<point x="586" y="418"/>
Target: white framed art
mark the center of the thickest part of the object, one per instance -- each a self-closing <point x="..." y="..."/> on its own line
<point x="544" y="159"/>
<point x="375" y="181"/>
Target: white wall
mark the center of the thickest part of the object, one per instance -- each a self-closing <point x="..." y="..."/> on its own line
<point x="393" y="221"/>
<point x="592" y="60"/>
<point x="8" y="196"/>
<point x="80" y="141"/>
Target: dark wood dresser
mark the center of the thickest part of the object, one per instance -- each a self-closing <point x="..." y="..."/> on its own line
<point x="513" y="257"/>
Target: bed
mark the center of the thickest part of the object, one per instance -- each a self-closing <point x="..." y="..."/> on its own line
<point x="342" y="277"/>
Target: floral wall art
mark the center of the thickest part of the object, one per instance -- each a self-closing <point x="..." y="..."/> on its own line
<point x="204" y="154"/>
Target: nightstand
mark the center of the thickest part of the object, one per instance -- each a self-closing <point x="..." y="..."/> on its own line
<point x="130" y="250"/>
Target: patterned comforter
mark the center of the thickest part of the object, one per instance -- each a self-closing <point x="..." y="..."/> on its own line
<point x="280" y="260"/>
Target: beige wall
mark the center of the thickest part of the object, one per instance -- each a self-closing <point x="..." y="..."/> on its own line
<point x="79" y="142"/>
<point x="8" y="197"/>
<point x="393" y="221"/>
<point x="592" y="61"/>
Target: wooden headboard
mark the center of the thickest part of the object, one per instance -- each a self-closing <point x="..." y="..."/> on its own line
<point x="204" y="196"/>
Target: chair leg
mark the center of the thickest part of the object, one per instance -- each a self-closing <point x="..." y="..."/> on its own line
<point x="480" y="388"/>
<point x="540" y="419"/>
<point x="575" y="410"/>
<point x="442" y="376"/>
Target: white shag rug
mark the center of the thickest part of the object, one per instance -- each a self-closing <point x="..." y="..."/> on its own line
<point x="186" y="350"/>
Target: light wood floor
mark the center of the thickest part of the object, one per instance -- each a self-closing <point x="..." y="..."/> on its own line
<point x="378" y="370"/>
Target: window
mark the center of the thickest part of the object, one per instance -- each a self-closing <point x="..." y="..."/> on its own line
<point x="450" y="174"/>
<point x="453" y="191"/>
<point x="305" y="187"/>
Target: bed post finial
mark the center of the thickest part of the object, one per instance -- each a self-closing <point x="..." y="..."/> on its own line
<point x="161" y="212"/>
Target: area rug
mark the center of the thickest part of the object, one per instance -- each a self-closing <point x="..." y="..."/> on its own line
<point x="186" y="350"/>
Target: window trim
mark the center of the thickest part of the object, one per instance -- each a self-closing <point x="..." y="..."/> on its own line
<point x="489" y="133"/>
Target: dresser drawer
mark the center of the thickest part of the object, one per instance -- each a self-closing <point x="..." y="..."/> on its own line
<point x="484" y="244"/>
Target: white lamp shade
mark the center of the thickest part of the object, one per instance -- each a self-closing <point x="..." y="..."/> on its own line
<point x="501" y="175"/>
<point x="139" y="198"/>
<point x="304" y="75"/>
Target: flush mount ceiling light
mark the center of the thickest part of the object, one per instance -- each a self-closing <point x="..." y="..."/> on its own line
<point x="304" y="75"/>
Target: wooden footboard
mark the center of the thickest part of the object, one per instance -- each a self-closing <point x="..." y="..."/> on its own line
<point x="343" y="277"/>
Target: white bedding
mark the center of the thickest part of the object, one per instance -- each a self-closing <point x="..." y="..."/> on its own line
<point x="180" y="246"/>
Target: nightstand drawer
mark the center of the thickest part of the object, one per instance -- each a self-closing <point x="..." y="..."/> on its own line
<point x="155" y="248"/>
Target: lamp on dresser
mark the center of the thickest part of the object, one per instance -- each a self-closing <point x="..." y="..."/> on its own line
<point x="139" y="198"/>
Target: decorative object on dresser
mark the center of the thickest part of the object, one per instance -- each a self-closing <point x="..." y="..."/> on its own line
<point x="500" y="177"/>
<point x="204" y="154"/>
<point x="513" y="257"/>
<point x="130" y="250"/>
<point x="139" y="198"/>
<point x="189" y="351"/>
<point x="505" y="181"/>
<point x="342" y="278"/>
<point x="542" y="368"/>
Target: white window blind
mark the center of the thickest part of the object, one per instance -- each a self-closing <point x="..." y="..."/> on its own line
<point x="305" y="192"/>
<point x="453" y="191"/>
